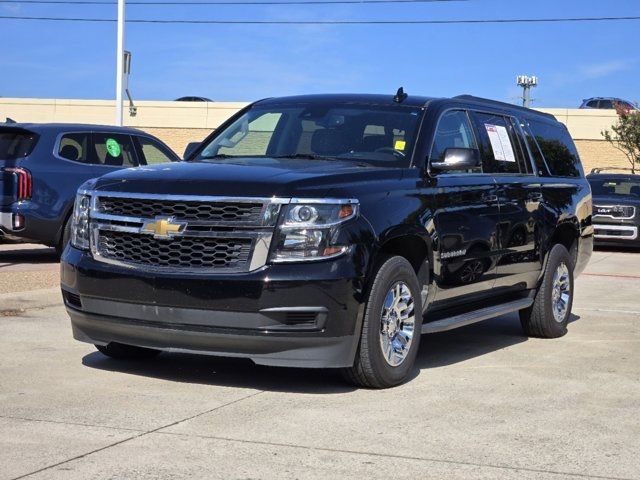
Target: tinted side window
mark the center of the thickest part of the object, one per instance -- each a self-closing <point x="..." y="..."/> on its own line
<point x="113" y="149"/>
<point x="593" y="104"/>
<point x="496" y="144"/>
<point x="608" y="104"/>
<point x="153" y="152"/>
<point x="74" y="147"/>
<point x="453" y="131"/>
<point x="558" y="149"/>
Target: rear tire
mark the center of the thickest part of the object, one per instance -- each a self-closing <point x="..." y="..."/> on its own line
<point x="549" y="315"/>
<point x="391" y="327"/>
<point x="121" y="351"/>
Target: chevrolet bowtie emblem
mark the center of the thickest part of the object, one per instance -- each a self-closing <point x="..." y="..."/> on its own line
<point x="163" y="228"/>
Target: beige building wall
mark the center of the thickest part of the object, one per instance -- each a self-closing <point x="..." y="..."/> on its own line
<point x="178" y="123"/>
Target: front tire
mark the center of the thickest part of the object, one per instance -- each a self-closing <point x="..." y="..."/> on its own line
<point x="549" y="315"/>
<point x="65" y="237"/>
<point x="391" y="328"/>
<point x="121" y="351"/>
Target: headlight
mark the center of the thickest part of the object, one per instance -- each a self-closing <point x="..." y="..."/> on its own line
<point x="308" y="230"/>
<point x="80" y="222"/>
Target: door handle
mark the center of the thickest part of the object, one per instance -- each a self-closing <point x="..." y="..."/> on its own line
<point x="489" y="198"/>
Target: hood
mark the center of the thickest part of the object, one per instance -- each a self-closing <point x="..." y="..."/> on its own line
<point x="251" y="177"/>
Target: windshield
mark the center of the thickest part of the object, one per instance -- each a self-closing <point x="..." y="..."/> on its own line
<point x="615" y="186"/>
<point x="376" y="135"/>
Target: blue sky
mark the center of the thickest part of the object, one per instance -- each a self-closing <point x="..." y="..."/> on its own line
<point x="243" y="63"/>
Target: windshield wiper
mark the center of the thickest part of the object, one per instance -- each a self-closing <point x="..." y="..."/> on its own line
<point x="219" y="155"/>
<point x="305" y="156"/>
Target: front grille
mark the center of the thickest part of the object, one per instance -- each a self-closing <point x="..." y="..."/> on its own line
<point x="227" y="212"/>
<point x="614" y="211"/>
<point x="182" y="252"/>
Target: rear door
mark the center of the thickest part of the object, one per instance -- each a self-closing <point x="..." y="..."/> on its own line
<point x="519" y="195"/>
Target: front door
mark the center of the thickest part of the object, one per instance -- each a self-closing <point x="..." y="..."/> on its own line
<point x="465" y="220"/>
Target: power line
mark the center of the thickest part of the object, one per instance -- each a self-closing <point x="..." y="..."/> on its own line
<point x="223" y="2"/>
<point x="328" y="22"/>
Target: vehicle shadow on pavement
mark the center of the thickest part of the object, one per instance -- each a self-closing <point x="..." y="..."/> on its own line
<point x="436" y="350"/>
<point x="18" y="255"/>
<point x="227" y="372"/>
<point x="475" y="340"/>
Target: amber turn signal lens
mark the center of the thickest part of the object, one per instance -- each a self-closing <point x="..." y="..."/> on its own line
<point x="346" y="211"/>
<point x="332" y="251"/>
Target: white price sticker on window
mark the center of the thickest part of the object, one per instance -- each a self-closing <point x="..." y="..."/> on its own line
<point x="500" y="143"/>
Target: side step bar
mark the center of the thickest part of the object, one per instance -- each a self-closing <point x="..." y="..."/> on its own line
<point x="477" y="316"/>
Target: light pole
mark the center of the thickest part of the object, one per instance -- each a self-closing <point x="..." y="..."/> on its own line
<point x="526" y="82"/>
<point x="119" y="62"/>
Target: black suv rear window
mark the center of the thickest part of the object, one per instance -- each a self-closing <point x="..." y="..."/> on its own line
<point x="16" y="143"/>
<point x="558" y="149"/>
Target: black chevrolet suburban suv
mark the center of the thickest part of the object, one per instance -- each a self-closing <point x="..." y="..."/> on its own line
<point x="331" y="231"/>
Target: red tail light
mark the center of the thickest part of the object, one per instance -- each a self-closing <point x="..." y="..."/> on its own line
<point x="25" y="182"/>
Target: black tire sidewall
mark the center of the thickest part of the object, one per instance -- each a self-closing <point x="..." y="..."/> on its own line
<point x="558" y="254"/>
<point x="391" y="271"/>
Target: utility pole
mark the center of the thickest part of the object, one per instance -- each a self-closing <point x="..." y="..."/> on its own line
<point x="119" y="62"/>
<point x="526" y="82"/>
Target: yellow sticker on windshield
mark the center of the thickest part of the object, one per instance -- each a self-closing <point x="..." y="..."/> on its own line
<point x="399" y="144"/>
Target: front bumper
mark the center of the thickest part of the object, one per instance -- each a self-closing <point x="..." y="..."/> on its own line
<point x="616" y="234"/>
<point x="303" y="315"/>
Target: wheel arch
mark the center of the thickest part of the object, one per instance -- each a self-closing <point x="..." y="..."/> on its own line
<point x="567" y="234"/>
<point x="410" y="243"/>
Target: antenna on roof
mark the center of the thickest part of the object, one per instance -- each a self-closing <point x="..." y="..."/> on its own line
<point x="400" y="96"/>
<point x="10" y="120"/>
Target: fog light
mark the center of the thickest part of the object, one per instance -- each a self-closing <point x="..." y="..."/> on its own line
<point x="18" y="221"/>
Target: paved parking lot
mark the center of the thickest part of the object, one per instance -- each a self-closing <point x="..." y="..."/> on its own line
<point x="485" y="402"/>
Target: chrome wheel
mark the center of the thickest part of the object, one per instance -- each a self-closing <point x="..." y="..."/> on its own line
<point x="397" y="324"/>
<point x="561" y="292"/>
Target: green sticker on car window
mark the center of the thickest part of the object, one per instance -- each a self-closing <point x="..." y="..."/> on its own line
<point x="113" y="147"/>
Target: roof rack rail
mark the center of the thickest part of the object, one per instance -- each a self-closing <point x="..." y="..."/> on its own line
<point x="471" y="98"/>
<point x="617" y="169"/>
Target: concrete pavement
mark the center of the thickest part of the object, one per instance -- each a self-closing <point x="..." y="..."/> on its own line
<point x="485" y="402"/>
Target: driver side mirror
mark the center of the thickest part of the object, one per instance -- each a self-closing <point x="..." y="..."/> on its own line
<point x="191" y="147"/>
<point x="458" y="159"/>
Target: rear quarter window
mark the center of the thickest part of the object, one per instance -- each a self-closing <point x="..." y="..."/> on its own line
<point x="16" y="143"/>
<point x="74" y="147"/>
<point x="558" y="149"/>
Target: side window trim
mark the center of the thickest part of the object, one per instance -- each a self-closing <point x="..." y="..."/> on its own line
<point x="473" y="133"/>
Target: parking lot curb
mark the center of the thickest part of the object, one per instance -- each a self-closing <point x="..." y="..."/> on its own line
<point x="15" y="303"/>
